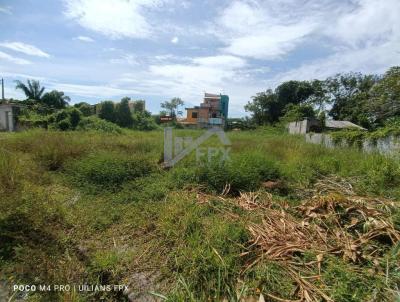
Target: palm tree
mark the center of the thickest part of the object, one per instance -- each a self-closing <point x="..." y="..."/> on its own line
<point x="33" y="90"/>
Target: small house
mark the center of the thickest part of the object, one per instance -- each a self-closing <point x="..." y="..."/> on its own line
<point x="313" y="125"/>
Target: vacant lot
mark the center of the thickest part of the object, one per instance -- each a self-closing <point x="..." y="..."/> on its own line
<point x="282" y="218"/>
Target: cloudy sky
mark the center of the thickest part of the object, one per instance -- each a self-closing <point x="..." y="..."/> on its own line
<point x="157" y="49"/>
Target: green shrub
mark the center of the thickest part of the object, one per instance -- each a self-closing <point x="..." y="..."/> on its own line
<point x="32" y="119"/>
<point x="107" y="170"/>
<point x="243" y="173"/>
<point x="95" y="123"/>
<point x="64" y="125"/>
<point x="85" y="108"/>
<point x="75" y="117"/>
<point x="153" y="187"/>
<point x="61" y="115"/>
<point x="144" y="121"/>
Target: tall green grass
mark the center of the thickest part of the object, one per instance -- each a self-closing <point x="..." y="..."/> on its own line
<point x="91" y="207"/>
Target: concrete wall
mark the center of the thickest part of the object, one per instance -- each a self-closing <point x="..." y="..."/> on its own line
<point x="388" y="145"/>
<point x="7" y="122"/>
<point x="299" y="127"/>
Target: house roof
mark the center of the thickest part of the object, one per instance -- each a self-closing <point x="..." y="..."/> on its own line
<point x="342" y="125"/>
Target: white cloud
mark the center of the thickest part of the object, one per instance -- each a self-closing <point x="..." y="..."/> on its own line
<point x="84" y="39"/>
<point x="372" y="21"/>
<point x="226" y="62"/>
<point x="189" y="79"/>
<point x="25" y="48"/>
<point x="19" y="61"/>
<point x="366" y="39"/>
<point x="271" y="43"/>
<point x="5" y="10"/>
<point x="175" y="40"/>
<point x="373" y="59"/>
<point x="96" y="91"/>
<point x="254" y="29"/>
<point x="186" y="79"/>
<point x="114" y="18"/>
<point x="129" y="59"/>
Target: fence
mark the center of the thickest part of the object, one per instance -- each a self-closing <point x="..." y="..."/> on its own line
<point x="386" y="145"/>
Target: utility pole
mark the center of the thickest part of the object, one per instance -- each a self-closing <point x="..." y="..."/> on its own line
<point x="2" y="89"/>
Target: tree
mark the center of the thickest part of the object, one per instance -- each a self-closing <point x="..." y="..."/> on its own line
<point x="139" y="106"/>
<point x="75" y="117"/>
<point x="264" y="107"/>
<point x="172" y="106"/>
<point x="123" y="114"/>
<point x="32" y="91"/>
<point x="385" y="96"/>
<point x="268" y="107"/>
<point x="350" y="95"/>
<point x="294" y="92"/>
<point x="144" y="121"/>
<point x="85" y="108"/>
<point x="297" y="112"/>
<point x="320" y="97"/>
<point x="107" y="111"/>
<point x="55" y="99"/>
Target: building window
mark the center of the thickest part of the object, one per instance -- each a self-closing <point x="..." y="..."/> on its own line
<point x="214" y="115"/>
<point x="194" y="114"/>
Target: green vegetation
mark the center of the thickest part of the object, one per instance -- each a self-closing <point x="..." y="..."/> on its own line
<point x="366" y="100"/>
<point x="94" y="207"/>
<point x="51" y="110"/>
<point x="354" y="137"/>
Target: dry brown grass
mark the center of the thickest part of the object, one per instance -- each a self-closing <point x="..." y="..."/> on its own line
<point x="335" y="222"/>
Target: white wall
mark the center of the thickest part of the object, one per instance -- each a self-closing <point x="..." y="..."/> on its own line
<point x="3" y="118"/>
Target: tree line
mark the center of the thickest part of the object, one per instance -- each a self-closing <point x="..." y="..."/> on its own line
<point x="44" y="108"/>
<point x="367" y="100"/>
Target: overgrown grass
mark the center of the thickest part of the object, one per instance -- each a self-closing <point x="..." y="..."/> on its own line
<point x="96" y="208"/>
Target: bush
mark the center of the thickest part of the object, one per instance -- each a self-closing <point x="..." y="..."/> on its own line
<point x="107" y="111"/>
<point x="150" y="188"/>
<point x="85" y="108"/>
<point x="61" y="115"/>
<point x="109" y="170"/>
<point x="95" y="123"/>
<point x="75" y="117"/>
<point x="144" y="121"/>
<point x="30" y="118"/>
<point x="243" y="173"/>
<point x="64" y="125"/>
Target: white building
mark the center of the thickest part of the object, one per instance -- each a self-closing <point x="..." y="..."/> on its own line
<point x="8" y="114"/>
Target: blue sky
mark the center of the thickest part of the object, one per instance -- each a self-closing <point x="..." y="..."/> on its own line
<point x="95" y="50"/>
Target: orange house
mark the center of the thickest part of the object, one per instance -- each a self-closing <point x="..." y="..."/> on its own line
<point x="213" y="111"/>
